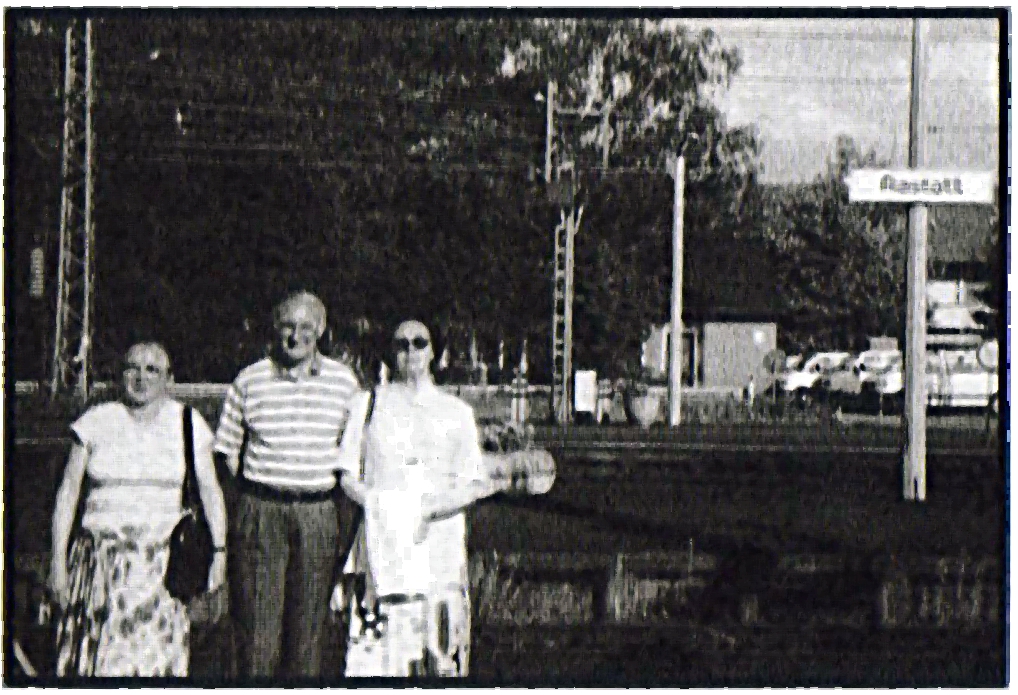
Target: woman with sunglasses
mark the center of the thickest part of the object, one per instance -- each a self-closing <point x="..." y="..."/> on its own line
<point x="128" y="464"/>
<point x="415" y="467"/>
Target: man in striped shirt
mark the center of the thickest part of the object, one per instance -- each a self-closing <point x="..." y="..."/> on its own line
<point x="287" y="412"/>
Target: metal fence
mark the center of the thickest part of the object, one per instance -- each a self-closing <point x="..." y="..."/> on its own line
<point x="715" y="420"/>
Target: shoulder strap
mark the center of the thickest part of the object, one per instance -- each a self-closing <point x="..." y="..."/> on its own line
<point x="190" y="477"/>
<point x="352" y="530"/>
<point x="367" y="421"/>
<point x="364" y="429"/>
<point x="371" y="406"/>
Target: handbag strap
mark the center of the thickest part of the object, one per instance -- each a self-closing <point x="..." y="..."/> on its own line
<point x="364" y="430"/>
<point x="189" y="496"/>
<point x="367" y="418"/>
<point x="358" y="515"/>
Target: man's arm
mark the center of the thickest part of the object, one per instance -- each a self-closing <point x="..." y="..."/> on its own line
<point x="230" y="432"/>
<point x="349" y="465"/>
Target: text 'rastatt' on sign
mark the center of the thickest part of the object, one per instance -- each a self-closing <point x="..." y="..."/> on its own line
<point x="920" y="186"/>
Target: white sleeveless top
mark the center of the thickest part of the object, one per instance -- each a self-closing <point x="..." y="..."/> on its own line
<point x="416" y="443"/>
<point x="136" y="469"/>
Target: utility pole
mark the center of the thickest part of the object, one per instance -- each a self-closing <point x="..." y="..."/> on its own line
<point x="563" y="269"/>
<point x="915" y="321"/>
<point x="561" y="311"/>
<point x="562" y="299"/>
<point x="564" y="255"/>
<point x="75" y="273"/>
<point x="675" y="344"/>
<point x="549" y="137"/>
<point x="920" y="188"/>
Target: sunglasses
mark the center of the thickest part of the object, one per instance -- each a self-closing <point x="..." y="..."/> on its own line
<point x="403" y="344"/>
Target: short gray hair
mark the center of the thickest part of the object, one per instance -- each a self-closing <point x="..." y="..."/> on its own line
<point x="155" y="344"/>
<point x="302" y="296"/>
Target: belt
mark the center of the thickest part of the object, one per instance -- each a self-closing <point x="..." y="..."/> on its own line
<point x="267" y="492"/>
<point x="400" y="599"/>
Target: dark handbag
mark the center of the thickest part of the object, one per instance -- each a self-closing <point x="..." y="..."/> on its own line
<point x="191" y="546"/>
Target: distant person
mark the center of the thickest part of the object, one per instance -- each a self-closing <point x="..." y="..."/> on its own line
<point x="291" y="408"/>
<point x="415" y="469"/>
<point x="119" y="619"/>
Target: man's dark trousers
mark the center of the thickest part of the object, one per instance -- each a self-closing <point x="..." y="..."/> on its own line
<point x="284" y="555"/>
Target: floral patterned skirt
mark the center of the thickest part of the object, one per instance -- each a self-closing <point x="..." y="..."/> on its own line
<point x="121" y="621"/>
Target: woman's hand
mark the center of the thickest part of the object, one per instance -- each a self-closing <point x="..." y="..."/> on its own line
<point x="217" y="572"/>
<point x="336" y="601"/>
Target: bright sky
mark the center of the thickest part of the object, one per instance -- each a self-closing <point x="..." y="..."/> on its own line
<point x="803" y="82"/>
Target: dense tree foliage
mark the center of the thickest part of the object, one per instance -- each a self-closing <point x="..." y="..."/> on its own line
<point x="841" y="265"/>
<point x="392" y="164"/>
<point x="395" y="165"/>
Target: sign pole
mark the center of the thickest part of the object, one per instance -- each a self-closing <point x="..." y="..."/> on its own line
<point x="915" y="319"/>
<point x="920" y="188"/>
<point x="675" y="344"/>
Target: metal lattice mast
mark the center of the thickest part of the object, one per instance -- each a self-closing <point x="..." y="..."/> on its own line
<point x="563" y="293"/>
<point x="563" y="180"/>
<point x="559" y="385"/>
<point x="562" y="278"/>
<point x="72" y="340"/>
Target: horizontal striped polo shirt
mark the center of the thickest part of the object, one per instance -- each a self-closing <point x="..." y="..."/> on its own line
<point x="293" y="424"/>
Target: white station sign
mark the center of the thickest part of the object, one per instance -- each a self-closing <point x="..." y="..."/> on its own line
<point x="920" y="186"/>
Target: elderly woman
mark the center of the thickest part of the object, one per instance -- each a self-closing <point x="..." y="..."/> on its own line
<point x="130" y="456"/>
<point x="412" y="459"/>
<point x="421" y="469"/>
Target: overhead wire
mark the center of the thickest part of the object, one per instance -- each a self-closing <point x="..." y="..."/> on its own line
<point x="329" y="101"/>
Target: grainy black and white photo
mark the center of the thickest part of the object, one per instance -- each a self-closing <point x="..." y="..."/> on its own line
<point x="506" y="348"/>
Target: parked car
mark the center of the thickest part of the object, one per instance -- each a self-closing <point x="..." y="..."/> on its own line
<point x="890" y="385"/>
<point x="803" y="383"/>
<point x="872" y="363"/>
<point x="954" y="379"/>
<point x="854" y="387"/>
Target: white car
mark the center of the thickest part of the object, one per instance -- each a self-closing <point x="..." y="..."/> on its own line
<point x="892" y="382"/>
<point x="873" y="363"/>
<point x="807" y="376"/>
<point x="954" y="379"/>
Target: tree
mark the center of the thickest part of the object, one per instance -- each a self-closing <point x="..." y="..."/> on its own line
<point x="841" y="264"/>
<point x="391" y="164"/>
<point x="643" y="93"/>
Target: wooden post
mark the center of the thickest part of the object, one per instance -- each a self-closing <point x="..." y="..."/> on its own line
<point x="675" y="344"/>
<point x="915" y="319"/>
